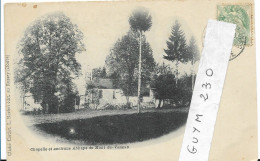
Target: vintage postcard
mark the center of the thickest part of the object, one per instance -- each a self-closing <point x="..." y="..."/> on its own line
<point x="113" y="81"/>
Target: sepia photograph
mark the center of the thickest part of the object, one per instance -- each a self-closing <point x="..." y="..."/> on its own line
<point x="134" y="92"/>
<point x="120" y="80"/>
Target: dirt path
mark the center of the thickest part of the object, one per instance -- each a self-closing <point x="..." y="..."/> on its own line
<point x="86" y="113"/>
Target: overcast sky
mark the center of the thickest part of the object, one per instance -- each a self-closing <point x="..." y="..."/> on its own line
<point x="101" y="35"/>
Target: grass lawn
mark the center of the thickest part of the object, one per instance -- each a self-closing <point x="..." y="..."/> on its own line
<point x="113" y="129"/>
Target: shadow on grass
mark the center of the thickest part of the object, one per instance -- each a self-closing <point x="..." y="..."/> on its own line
<point x="117" y="128"/>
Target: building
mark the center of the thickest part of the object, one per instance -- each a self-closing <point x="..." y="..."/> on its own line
<point x="30" y="104"/>
<point x="103" y="93"/>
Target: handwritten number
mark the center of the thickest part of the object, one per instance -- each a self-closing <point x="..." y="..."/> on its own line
<point x="205" y="98"/>
<point x="206" y="85"/>
<point x="209" y="72"/>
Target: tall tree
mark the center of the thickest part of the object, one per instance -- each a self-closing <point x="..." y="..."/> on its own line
<point x="122" y="64"/>
<point x="140" y="21"/>
<point x="48" y="62"/>
<point x="193" y="51"/>
<point x="176" y="48"/>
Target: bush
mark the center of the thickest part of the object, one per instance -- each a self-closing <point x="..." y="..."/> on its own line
<point x="116" y="107"/>
<point x="68" y="105"/>
<point x="111" y="107"/>
<point x="182" y="97"/>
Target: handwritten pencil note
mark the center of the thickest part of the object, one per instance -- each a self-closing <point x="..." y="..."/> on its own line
<point x="207" y="91"/>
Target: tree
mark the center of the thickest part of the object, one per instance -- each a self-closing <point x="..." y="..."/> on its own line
<point x="176" y="48"/>
<point x="164" y="87"/>
<point x="184" y="91"/>
<point x="193" y="51"/>
<point x="48" y="62"/>
<point x="93" y="93"/>
<point x="162" y="69"/>
<point x="122" y="63"/>
<point x="140" y="21"/>
<point x="99" y="73"/>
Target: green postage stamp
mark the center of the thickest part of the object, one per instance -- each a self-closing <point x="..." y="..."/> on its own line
<point x="239" y="14"/>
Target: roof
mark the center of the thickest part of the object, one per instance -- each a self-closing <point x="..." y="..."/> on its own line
<point x="102" y="83"/>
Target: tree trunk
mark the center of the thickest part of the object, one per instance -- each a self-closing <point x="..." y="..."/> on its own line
<point x="177" y="72"/>
<point x="23" y="101"/>
<point x="162" y="102"/>
<point x="192" y="76"/>
<point x="159" y="105"/>
<point x="47" y="108"/>
<point x="127" y="102"/>
<point x="75" y="103"/>
<point x="139" y="73"/>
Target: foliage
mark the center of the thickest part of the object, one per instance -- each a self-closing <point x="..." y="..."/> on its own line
<point x="183" y="92"/>
<point x="122" y="63"/>
<point x="116" y="107"/>
<point x="177" y="48"/>
<point x="162" y="69"/>
<point x="48" y="63"/>
<point x="176" y="45"/>
<point x="140" y="20"/>
<point x="164" y="87"/>
<point x="193" y="51"/>
<point x="93" y="93"/>
<point x="99" y="73"/>
<point x="90" y="85"/>
<point x="68" y="104"/>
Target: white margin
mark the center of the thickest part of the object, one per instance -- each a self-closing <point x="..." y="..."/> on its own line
<point x="3" y="134"/>
<point x="257" y="37"/>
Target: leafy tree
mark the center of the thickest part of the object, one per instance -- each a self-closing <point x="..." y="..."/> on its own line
<point x="99" y="73"/>
<point x="93" y="93"/>
<point x="164" y="87"/>
<point x="177" y="48"/>
<point x="162" y="69"/>
<point x="122" y="63"/>
<point x="140" y="21"/>
<point x="183" y="94"/>
<point x="193" y="51"/>
<point x="48" y="62"/>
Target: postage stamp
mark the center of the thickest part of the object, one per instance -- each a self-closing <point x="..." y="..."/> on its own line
<point x="241" y="15"/>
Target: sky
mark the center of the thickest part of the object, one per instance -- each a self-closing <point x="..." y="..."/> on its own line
<point x="102" y="34"/>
